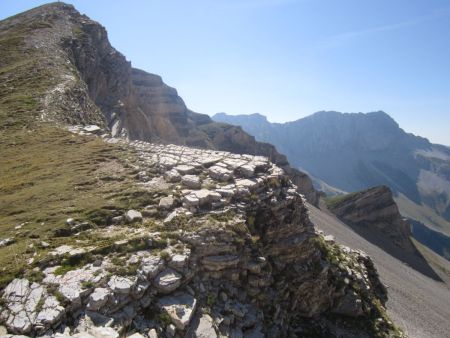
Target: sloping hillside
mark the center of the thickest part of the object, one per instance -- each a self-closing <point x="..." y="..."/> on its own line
<point x="353" y="152"/>
<point x="110" y="237"/>
<point x="373" y="214"/>
<point x="417" y="303"/>
<point x="94" y="84"/>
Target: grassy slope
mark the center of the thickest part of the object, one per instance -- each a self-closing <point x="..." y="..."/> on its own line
<point x="423" y="214"/>
<point x="334" y="201"/>
<point x="48" y="174"/>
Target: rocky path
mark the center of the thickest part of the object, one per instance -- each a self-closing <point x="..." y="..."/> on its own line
<point x="420" y="305"/>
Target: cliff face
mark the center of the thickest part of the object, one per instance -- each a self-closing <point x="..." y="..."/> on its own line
<point x="224" y="246"/>
<point x="353" y="152"/>
<point x="107" y="236"/>
<point x="374" y="214"/>
<point x="374" y="208"/>
<point x="131" y="102"/>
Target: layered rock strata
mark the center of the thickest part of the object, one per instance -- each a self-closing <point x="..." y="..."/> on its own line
<point x="236" y="256"/>
<point x="95" y="84"/>
<point x="374" y="214"/>
<point x="375" y="208"/>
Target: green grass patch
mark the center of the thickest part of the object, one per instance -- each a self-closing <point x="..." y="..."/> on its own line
<point x="73" y="263"/>
<point x="333" y="202"/>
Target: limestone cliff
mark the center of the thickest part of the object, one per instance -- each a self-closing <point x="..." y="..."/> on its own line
<point x="225" y="247"/>
<point x="109" y="237"/>
<point x="96" y="82"/>
<point x="355" y="151"/>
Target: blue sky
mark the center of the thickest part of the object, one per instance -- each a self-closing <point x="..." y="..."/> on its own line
<point x="287" y="59"/>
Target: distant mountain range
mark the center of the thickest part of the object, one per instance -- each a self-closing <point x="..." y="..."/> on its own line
<point x="346" y="152"/>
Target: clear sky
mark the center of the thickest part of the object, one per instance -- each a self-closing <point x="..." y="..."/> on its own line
<point x="289" y="58"/>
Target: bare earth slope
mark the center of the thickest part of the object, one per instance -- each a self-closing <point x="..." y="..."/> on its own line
<point x="373" y="214"/>
<point x="420" y="305"/>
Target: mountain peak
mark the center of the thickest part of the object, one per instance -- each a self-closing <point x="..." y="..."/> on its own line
<point x="254" y="117"/>
<point x="211" y="230"/>
<point x="333" y="113"/>
<point x="52" y="7"/>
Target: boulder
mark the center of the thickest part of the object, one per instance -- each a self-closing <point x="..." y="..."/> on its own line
<point x="184" y="169"/>
<point x="220" y="173"/>
<point x="152" y="333"/>
<point x="204" y="196"/>
<point x="171" y="330"/>
<point x="3" y="331"/>
<point x="168" y="281"/>
<point x="6" y="242"/>
<point x="51" y="312"/>
<point x="247" y="170"/>
<point x="103" y="332"/>
<point x="203" y="327"/>
<point x="98" y="299"/>
<point x="172" y="176"/>
<point x="191" y="181"/>
<point x="120" y="285"/>
<point x="151" y="266"/>
<point x="180" y="307"/>
<point x="94" y="129"/>
<point x="166" y="202"/>
<point x="139" y="288"/>
<point x="191" y="200"/>
<point x="349" y="305"/>
<point x="225" y="192"/>
<point x="136" y="335"/>
<point x="70" y="285"/>
<point x="27" y="306"/>
<point x="246" y="183"/>
<point x="179" y="261"/>
<point x="133" y="216"/>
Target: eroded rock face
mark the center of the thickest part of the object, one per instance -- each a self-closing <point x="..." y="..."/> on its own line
<point x="167" y="281"/>
<point x="102" y="91"/>
<point x="28" y="307"/>
<point x="244" y="251"/>
<point x="375" y="208"/>
<point x="374" y="214"/>
<point x="236" y="256"/>
<point x="180" y="307"/>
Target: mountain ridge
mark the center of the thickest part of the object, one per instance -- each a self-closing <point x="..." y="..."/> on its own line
<point x="132" y="102"/>
<point x="109" y="236"/>
<point x="354" y="151"/>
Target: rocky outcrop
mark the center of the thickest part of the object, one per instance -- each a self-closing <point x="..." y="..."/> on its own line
<point x="191" y="242"/>
<point x="234" y="258"/>
<point x="95" y="84"/>
<point x="355" y="151"/>
<point x="374" y="214"/>
<point x="374" y="208"/>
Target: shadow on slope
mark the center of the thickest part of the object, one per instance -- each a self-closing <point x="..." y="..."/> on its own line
<point x="418" y="303"/>
<point x="435" y="240"/>
<point x="413" y="259"/>
<point x="373" y="215"/>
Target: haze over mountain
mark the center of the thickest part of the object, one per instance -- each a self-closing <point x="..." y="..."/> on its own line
<point x="352" y="152"/>
<point x="123" y="215"/>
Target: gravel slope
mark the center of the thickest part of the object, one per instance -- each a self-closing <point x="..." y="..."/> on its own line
<point x="418" y="304"/>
